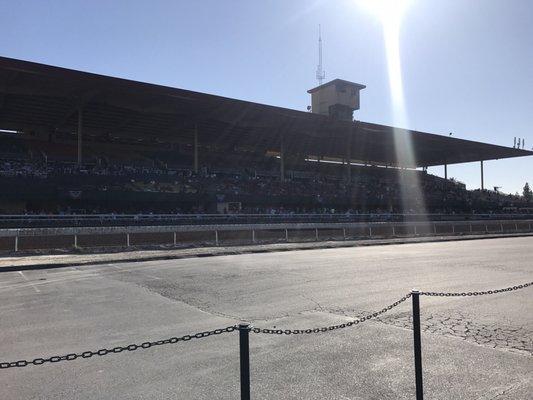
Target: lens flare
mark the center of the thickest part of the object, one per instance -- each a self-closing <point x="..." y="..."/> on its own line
<point x="390" y="13"/>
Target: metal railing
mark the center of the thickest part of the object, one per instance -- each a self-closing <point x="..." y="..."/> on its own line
<point x="217" y="234"/>
<point x="244" y="330"/>
<point x="74" y="220"/>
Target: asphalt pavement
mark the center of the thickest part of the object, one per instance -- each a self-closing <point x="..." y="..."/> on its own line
<point x="473" y="348"/>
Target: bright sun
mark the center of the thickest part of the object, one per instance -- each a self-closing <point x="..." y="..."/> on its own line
<point x="389" y="12"/>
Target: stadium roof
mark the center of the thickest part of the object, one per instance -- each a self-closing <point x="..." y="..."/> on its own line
<point x="38" y="96"/>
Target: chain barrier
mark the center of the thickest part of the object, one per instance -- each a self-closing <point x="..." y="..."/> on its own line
<point x="116" y="350"/>
<point x="201" y="335"/>
<point x="332" y="327"/>
<point x="464" y="294"/>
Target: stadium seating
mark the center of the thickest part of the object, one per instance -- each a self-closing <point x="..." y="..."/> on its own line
<point x="56" y="186"/>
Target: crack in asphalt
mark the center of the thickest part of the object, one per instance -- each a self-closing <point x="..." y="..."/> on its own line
<point x="318" y="305"/>
<point x="503" y="392"/>
<point x="496" y="335"/>
<point x="518" y="339"/>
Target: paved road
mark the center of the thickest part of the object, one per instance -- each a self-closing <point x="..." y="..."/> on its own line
<point x="474" y="348"/>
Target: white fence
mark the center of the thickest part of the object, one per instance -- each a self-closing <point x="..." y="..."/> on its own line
<point x="13" y="240"/>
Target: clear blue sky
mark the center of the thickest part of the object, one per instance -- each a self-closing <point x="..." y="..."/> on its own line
<point x="467" y="64"/>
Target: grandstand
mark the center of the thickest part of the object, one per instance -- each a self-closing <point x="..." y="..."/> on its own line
<point x="76" y="142"/>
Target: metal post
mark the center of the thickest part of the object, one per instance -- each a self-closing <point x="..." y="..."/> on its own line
<point x="435" y="228"/>
<point x="470" y="227"/>
<point x="196" y="163"/>
<point x="16" y="243"/>
<point x="344" y="233"/>
<point x="80" y="135"/>
<point x="253" y="235"/>
<point x="175" y="239"/>
<point x="216" y="238"/>
<point x="369" y="230"/>
<point x="287" y="235"/>
<point x="244" y="346"/>
<point x="316" y="234"/>
<point x="282" y="159"/>
<point x="349" y="156"/>
<point x="501" y="226"/>
<point x="516" y="227"/>
<point x="128" y="239"/>
<point x="446" y="172"/>
<point x="393" y="231"/>
<point x="75" y="241"/>
<point x="453" y="228"/>
<point x="415" y="230"/>
<point x="415" y="294"/>
<point x="482" y="177"/>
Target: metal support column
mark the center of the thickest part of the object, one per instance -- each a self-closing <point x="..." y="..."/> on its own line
<point x="196" y="163"/>
<point x="482" y="177"/>
<point x="349" y="157"/>
<point x="80" y="135"/>
<point x="282" y="158"/>
<point x="446" y="172"/>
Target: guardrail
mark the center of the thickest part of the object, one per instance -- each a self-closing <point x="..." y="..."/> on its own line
<point x="217" y="234"/>
<point x="34" y="221"/>
<point x="244" y="330"/>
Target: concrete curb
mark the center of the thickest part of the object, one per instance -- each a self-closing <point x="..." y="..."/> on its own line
<point x="156" y="255"/>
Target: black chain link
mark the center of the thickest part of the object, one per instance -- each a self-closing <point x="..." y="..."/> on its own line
<point x="332" y="327"/>
<point x="464" y="294"/>
<point x="200" y="335"/>
<point x="116" y="350"/>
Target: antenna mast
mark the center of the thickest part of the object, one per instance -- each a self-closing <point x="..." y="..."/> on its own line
<point x="320" y="73"/>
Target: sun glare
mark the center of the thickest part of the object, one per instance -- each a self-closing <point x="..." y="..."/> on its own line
<point x="388" y="11"/>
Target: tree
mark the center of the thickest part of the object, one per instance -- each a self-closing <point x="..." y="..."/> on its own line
<point x="528" y="193"/>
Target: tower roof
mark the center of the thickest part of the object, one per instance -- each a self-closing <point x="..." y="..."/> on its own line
<point x="336" y="81"/>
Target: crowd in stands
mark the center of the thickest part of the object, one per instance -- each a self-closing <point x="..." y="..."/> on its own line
<point x="370" y="189"/>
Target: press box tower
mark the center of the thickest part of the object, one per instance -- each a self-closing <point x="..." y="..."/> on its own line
<point x="337" y="99"/>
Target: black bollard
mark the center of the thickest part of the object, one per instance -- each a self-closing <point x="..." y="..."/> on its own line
<point x="244" y="345"/>
<point x="415" y="294"/>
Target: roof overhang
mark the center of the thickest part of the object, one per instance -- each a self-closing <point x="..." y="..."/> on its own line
<point x="38" y="96"/>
